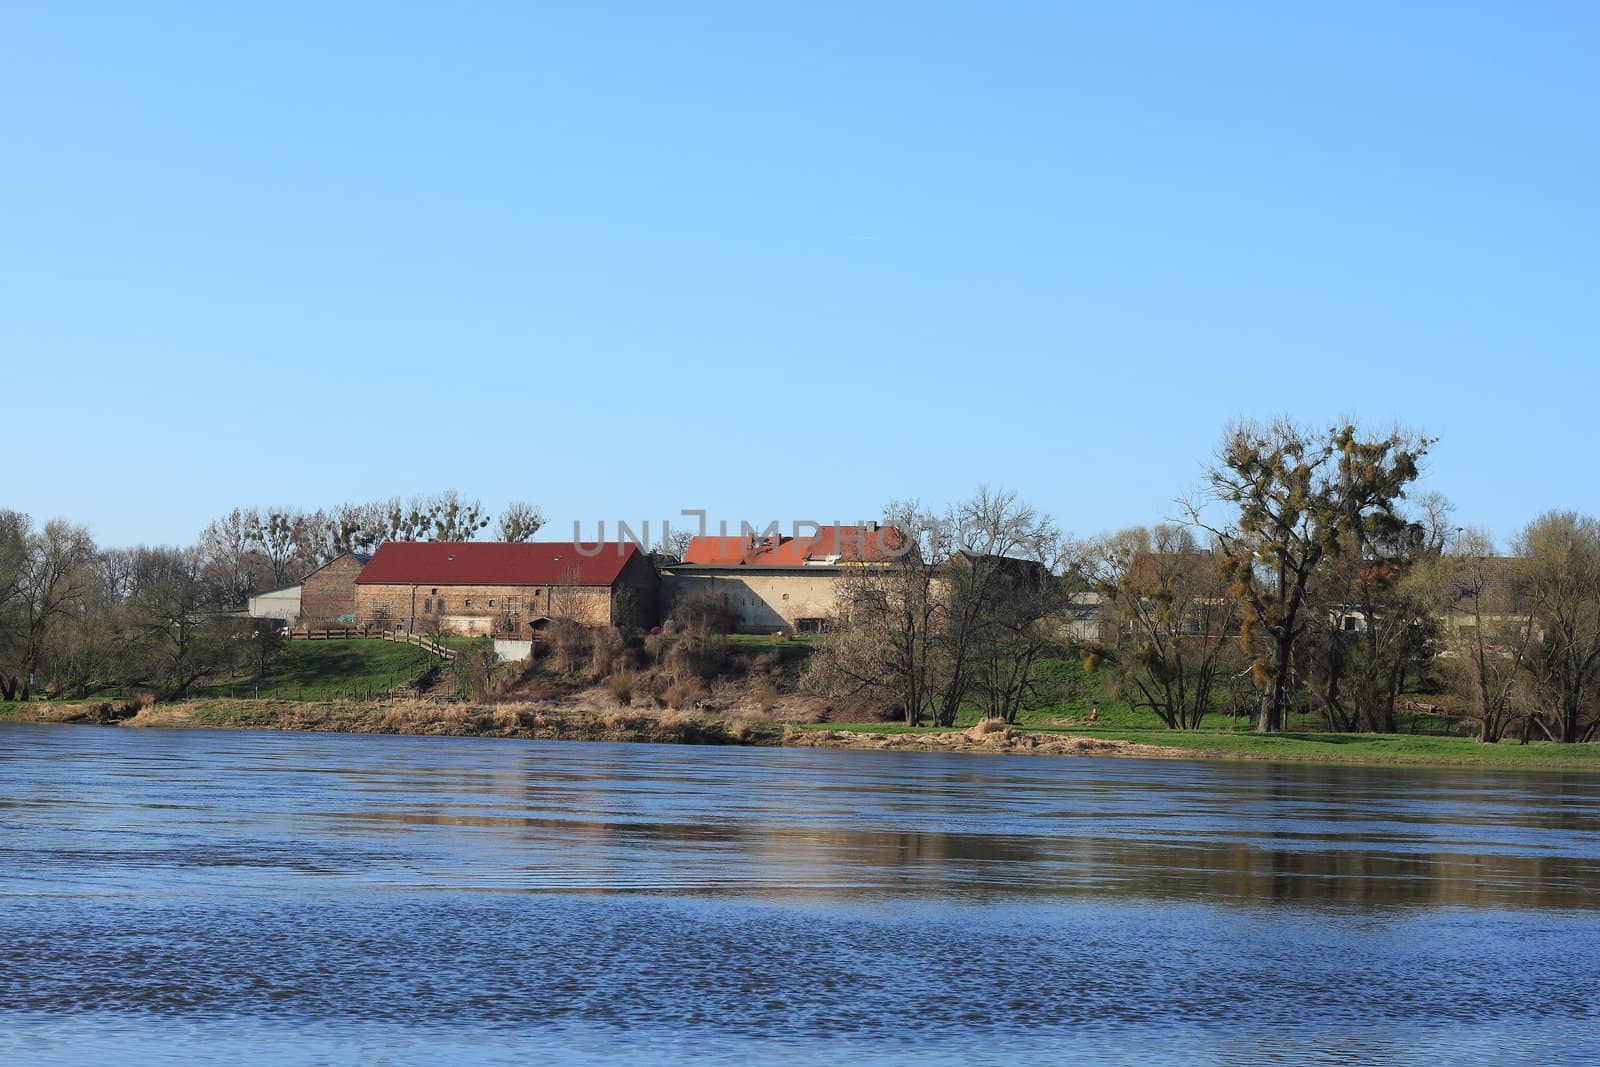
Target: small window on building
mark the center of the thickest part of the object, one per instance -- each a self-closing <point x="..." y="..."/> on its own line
<point x="427" y="606"/>
<point x="469" y="602"/>
<point x="491" y="602"/>
<point x="786" y="596"/>
<point x="440" y="605"/>
<point x="435" y="592"/>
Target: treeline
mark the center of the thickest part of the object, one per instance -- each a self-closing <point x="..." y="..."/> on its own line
<point x="251" y="550"/>
<point x="78" y="619"/>
<point x="1300" y="578"/>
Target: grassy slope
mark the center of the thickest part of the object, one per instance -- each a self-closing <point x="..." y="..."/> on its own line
<point x="319" y="670"/>
<point x="313" y="670"/>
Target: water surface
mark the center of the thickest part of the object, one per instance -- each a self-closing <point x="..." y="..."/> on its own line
<point x="168" y="896"/>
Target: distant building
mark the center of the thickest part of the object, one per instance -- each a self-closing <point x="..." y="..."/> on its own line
<point x="283" y="604"/>
<point x="780" y="584"/>
<point x="328" y="596"/>
<point x="496" y="587"/>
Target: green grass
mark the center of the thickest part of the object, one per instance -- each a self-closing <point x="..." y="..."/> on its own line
<point x="324" y="670"/>
<point x="791" y="651"/>
<point x="1436" y="739"/>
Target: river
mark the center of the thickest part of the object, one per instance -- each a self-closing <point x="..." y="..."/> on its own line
<point x="280" y="898"/>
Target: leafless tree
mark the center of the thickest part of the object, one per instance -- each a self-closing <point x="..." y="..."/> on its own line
<point x="519" y="522"/>
<point x="1175" y="623"/>
<point x="1488" y="628"/>
<point x="179" y="638"/>
<point x="887" y="648"/>
<point x="453" y="519"/>
<point x="1003" y="596"/>
<point x="52" y="577"/>
<point x="1561" y="554"/>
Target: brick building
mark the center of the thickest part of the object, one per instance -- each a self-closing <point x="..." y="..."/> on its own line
<point x="328" y="594"/>
<point x="482" y="587"/>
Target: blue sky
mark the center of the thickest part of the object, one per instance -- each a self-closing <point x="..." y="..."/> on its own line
<point x="625" y="260"/>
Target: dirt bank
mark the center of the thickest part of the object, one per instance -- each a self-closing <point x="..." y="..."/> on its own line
<point x="577" y="721"/>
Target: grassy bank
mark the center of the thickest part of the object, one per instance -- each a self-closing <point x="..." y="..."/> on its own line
<point x="1379" y="749"/>
<point x="593" y="720"/>
<point x="330" y="670"/>
<point x="370" y="687"/>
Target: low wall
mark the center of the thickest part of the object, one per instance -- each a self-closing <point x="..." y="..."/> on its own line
<point x="510" y="649"/>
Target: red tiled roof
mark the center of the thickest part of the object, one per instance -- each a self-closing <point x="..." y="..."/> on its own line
<point x="830" y="544"/>
<point x="496" y="563"/>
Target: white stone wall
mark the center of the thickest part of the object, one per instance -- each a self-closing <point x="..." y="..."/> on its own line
<point x="766" y="601"/>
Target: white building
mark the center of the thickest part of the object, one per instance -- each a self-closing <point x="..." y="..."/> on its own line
<point x="278" y="604"/>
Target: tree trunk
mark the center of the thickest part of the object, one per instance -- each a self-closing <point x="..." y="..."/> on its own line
<point x="1269" y="719"/>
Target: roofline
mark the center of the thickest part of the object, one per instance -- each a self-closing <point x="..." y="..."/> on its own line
<point x="630" y="550"/>
<point x="280" y="589"/>
<point x="769" y="568"/>
<point x="353" y="555"/>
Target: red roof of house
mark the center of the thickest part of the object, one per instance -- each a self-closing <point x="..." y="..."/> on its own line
<point x="830" y="544"/>
<point x="496" y="563"/>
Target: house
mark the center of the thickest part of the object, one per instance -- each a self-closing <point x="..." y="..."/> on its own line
<point x="777" y="583"/>
<point x="281" y="604"/>
<point x="504" y="588"/>
<point x="328" y="594"/>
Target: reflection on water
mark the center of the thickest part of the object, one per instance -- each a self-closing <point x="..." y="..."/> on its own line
<point x="307" y="897"/>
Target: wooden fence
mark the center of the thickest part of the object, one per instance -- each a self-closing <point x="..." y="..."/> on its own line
<point x="352" y="633"/>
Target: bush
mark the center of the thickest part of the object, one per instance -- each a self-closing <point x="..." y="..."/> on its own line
<point x="764" y="695"/>
<point x="658" y="684"/>
<point x="684" y="694"/>
<point x="569" y="644"/>
<point x="620" y="686"/>
<point x="609" y="653"/>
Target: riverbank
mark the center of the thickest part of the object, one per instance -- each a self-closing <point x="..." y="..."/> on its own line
<point x="587" y="722"/>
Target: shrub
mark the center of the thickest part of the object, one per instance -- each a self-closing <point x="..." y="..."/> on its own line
<point x="764" y="695"/>
<point x="569" y="644"/>
<point x="609" y="653"/>
<point x="684" y="694"/>
<point x="620" y="686"/>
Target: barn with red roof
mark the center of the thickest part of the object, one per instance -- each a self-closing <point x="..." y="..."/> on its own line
<point x="505" y="588"/>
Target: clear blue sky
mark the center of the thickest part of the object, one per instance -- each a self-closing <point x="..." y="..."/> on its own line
<point x="784" y="264"/>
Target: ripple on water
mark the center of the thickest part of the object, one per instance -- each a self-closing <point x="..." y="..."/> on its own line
<point x="477" y="901"/>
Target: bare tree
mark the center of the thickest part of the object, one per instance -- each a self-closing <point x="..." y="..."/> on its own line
<point x="1176" y="623"/>
<point x="228" y="547"/>
<point x="277" y="533"/>
<point x="1488" y="627"/>
<point x="1561" y="554"/>
<point x="519" y="522"/>
<point x="179" y="638"/>
<point x="1000" y="573"/>
<point x="52" y="577"/>
<point x="888" y="646"/>
<point x="455" y="519"/>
